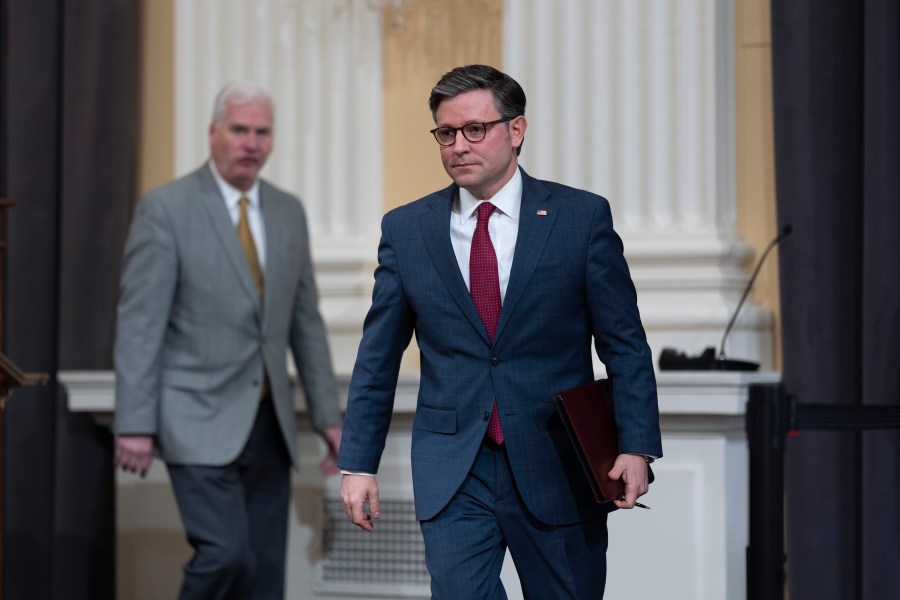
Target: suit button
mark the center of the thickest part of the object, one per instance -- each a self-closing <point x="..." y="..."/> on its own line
<point x="486" y="415"/>
<point x="495" y="361"/>
<point x="255" y="382"/>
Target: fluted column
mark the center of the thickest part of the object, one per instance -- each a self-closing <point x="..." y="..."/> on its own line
<point x="634" y="100"/>
<point x="321" y="61"/>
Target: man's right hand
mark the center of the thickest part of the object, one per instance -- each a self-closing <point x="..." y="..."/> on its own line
<point x="134" y="453"/>
<point x="355" y="491"/>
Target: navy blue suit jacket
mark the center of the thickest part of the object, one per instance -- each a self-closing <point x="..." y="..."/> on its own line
<point x="569" y="284"/>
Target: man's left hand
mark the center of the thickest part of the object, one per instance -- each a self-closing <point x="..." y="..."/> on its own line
<point x="632" y="469"/>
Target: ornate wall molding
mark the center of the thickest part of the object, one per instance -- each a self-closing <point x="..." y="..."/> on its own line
<point x="700" y="501"/>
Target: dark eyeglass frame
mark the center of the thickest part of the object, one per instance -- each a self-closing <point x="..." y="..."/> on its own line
<point x="462" y="129"/>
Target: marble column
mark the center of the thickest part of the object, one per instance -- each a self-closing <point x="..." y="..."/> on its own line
<point x="634" y="100"/>
<point x="321" y="62"/>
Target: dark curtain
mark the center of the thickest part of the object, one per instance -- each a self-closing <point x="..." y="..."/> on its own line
<point x="70" y="122"/>
<point x="836" y="69"/>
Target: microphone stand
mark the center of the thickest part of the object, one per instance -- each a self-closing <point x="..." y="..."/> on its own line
<point x="721" y="359"/>
<point x="672" y="360"/>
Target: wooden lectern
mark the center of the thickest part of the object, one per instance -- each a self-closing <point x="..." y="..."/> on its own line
<point x="11" y="377"/>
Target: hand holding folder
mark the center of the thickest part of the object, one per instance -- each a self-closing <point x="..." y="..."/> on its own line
<point x="587" y="414"/>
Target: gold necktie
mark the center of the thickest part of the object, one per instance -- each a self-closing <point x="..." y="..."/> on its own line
<point x="246" y="238"/>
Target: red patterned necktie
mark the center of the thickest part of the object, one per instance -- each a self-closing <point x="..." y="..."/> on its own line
<point x="484" y="285"/>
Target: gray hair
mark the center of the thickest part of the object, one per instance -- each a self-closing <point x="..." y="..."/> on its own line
<point x="239" y="93"/>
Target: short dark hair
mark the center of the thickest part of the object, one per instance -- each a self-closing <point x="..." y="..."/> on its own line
<point x="509" y="97"/>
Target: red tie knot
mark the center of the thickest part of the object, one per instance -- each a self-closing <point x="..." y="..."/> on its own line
<point x="485" y="210"/>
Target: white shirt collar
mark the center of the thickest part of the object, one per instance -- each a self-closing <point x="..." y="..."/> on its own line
<point x="230" y="193"/>
<point x="508" y="200"/>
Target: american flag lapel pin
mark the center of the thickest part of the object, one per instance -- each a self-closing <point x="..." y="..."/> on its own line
<point x="542" y="213"/>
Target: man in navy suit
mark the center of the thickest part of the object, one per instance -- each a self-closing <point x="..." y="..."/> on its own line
<point x="507" y="282"/>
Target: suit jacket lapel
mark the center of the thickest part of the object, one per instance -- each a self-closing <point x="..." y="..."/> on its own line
<point x="534" y="229"/>
<point x="435" y="226"/>
<point x="225" y="233"/>
<point x="277" y="236"/>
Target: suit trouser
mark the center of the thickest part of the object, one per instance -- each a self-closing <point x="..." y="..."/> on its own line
<point x="236" y="518"/>
<point x="465" y="544"/>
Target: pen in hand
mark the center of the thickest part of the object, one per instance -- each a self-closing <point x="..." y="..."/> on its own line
<point x="637" y="504"/>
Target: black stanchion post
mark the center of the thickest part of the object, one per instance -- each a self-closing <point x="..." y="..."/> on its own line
<point x="767" y="418"/>
<point x="771" y="414"/>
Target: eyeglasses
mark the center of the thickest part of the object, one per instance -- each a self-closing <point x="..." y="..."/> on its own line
<point x="474" y="132"/>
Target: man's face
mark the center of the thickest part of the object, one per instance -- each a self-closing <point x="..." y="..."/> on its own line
<point x="241" y="143"/>
<point x="482" y="167"/>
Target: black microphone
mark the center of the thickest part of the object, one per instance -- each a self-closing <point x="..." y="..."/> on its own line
<point x="672" y="360"/>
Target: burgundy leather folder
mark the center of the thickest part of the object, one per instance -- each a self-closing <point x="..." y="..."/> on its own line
<point x="587" y="413"/>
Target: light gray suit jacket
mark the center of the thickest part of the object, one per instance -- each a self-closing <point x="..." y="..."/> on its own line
<point x="193" y="337"/>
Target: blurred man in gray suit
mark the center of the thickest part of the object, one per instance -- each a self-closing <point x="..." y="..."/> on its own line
<point x="217" y="283"/>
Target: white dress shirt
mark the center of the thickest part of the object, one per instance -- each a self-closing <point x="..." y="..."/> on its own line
<point x="232" y="196"/>
<point x="503" y="227"/>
